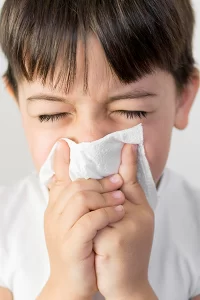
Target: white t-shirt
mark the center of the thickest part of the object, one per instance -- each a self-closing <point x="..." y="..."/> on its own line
<point x="174" y="270"/>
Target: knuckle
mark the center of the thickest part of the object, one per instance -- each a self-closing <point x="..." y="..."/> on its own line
<point x="101" y="183"/>
<point x="86" y="223"/>
<point x="81" y="198"/>
<point x="106" y="199"/>
<point x="104" y="213"/>
<point x="78" y="184"/>
<point x="57" y="183"/>
<point x="136" y="184"/>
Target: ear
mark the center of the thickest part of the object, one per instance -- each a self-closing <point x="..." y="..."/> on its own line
<point x="9" y="88"/>
<point x="186" y="100"/>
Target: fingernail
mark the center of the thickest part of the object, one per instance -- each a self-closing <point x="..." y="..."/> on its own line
<point x="64" y="153"/>
<point x="59" y="145"/>
<point x="117" y="194"/>
<point x="115" y="178"/>
<point x="119" y="208"/>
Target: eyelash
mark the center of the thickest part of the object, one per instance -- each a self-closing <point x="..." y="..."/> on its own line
<point x="52" y="118"/>
<point x="128" y="114"/>
<point x="132" y="114"/>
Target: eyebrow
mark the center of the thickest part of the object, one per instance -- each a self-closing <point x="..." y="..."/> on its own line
<point x="128" y="95"/>
<point x="46" y="97"/>
<point x="132" y="95"/>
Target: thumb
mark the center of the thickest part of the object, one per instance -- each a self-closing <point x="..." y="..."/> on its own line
<point x="128" y="167"/>
<point x="128" y="170"/>
<point x="61" y="162"/>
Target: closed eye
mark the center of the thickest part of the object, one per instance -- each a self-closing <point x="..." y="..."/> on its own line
<point x="128" y="114"/>
<point x="52" y="118"/>
<point x="132" y="114"/>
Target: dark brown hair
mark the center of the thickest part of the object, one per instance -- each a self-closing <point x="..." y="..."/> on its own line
<point x="136" y="35"/>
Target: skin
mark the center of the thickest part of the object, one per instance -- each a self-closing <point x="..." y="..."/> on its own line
<point x="90" y="118"/>
<point x="165" y="109"/>
<point x="74" y="224"/>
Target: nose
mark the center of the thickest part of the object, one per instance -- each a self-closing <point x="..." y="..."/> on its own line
<point x="89" y="131"/>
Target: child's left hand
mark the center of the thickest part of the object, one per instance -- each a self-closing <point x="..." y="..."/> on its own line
<point x="123" y="249"/>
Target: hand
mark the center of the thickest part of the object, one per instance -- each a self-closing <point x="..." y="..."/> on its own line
<point x="123" y="249"/>
<point x="76" y="211"/>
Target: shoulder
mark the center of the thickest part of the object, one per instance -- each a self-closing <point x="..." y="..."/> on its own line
<point x="15" y="199"/>
<point x="177" y="215"/>
<point x="180" y="197"/>
<point x="179" y="204"/>
<point x="19" y="204"/>
<point x="22" y="207"/>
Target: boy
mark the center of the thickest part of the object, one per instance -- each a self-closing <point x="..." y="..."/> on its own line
<point x="82" y="70"/>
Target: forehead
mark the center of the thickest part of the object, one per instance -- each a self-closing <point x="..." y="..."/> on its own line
<point x="91" y="65"/>
<point x="103" y="86"/>
<point x="101" y="79"/>
<point x="100" y="76"/>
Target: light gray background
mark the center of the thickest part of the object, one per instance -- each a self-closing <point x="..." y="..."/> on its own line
<point x="15" y="161"/>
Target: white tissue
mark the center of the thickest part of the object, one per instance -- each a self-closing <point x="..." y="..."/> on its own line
<point x="102" y="158"/>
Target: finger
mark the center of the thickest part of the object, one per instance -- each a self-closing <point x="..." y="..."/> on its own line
<point x="51" y="182"/>
<point x="84" y="202"/>
<point x="128" y="167"/>
<point x="61" y="178"/>
<point x="61" y="162"/>
<point x="87" y="227"/>
<point x="105" y="185"/>
<point x="108" y="183"/>
<point x="128" y="170"/>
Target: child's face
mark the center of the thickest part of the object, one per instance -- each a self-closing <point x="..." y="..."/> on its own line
<point x="94" y="114"/>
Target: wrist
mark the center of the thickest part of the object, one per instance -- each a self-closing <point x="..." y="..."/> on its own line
<point x="54" y="291"/>
<point x="144" y="293"/>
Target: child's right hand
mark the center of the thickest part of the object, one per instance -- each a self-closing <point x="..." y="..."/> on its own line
<point x="76" y="211"/>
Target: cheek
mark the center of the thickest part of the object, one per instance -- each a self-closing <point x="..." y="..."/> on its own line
<point x="156" y="141"/>
<point x="157" y="137"/>
<point x="40" y="143"/>
<point x="40" y="148"/>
